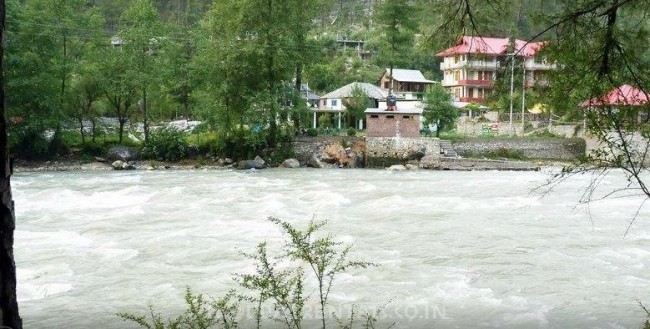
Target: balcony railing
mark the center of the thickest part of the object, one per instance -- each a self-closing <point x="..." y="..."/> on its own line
<point x="470" y="64"/>
<point x="540" y="66"/>
<point x="478" y="83"/>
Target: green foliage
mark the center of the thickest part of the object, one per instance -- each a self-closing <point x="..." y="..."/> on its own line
<point x="356" y="105"/>
<point x="280" y="280"/>
<point x="312" y="132"/>
<point x="28" y="142"/>
<point x="201" y="313"/>
<point x="326" y="257"/>
<point x="351" y="131"/>
<point x="167" y="144"/>
<point x="544" y="134"/>
<point x="243" y="143"/>
<point x="325" y="121"/>
<point x="438" y="108"/>
<point x="398" y="28"/>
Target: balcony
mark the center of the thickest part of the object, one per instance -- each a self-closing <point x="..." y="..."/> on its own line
<point x="483" y="65"/>
<point x="475" y="83"/>
<point x="540" y="66"/>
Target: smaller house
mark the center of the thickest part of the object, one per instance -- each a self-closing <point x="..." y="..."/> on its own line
<point x="334" y="102"/>
<point x="308" y="95"/>
<point x="393" y="123"/>
<point x="407" y="84"/>
<point x="624" y="96"/>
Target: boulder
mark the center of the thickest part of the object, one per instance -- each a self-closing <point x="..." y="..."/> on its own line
<point x="251" y="164"/>
<point x="123" y="165"/>
<point x="396" y="168"/>
<point x="259" y="160"/>
<point x="117" y="164"/>
<point x="416" y="152"/>
<point x="290" y="163"/>
<point x="128" y="166"/>
<point x="123" y="153"/>
<point x="314" y="162"/>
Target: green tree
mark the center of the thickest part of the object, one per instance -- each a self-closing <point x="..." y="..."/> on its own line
<point x="438" y="108"/>
<point x="143" y="37"/>
<point x="117" y="86"/>
<point x="356" y="105"/>
<point x="397" y="32"/>
<point x="49" y="40"/>
<point x="85" y="91"/>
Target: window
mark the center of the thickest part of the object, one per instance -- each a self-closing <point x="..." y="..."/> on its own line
<point x="456" y="75"/>
<point x="334" y="102"/>
<point x="406" y="117"/>
<point x="374" y="116"/>
<point x="390" y="117"/>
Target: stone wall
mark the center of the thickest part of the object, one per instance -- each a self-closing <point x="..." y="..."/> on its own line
<point x="385" y="151"/>
<point x="379" y="151"/>
<point x="539" y="148"/>
<point x="305" y="147"/>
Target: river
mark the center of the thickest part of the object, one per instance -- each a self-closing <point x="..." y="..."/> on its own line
<point x="453" y="249"/>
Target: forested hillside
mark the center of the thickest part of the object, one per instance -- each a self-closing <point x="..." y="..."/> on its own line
<point x="234" y="64"/>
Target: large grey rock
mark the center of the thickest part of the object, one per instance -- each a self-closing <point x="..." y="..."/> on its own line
<point x="290" y="163"/>
<point x="128" y="166"/>
<point x="416" y="152"/>
<point x="257" y="163"/>
<point x="259" y="160"/>
<point x="396" y="168"/>
<point x="117" y="164"/>
<point x="314" y="162"/>
<point x="123" y="153"/>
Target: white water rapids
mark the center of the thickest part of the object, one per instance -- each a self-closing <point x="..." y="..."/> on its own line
<point x="454" y="249"/>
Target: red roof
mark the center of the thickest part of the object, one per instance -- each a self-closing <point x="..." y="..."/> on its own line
<point x="491" y="46"/>
<point x="624" y="95"/>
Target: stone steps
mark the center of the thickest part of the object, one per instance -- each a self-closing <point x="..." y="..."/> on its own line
<point x="447" y="150"/>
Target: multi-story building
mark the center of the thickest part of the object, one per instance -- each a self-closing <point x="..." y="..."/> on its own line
<point x="470" y="67"/>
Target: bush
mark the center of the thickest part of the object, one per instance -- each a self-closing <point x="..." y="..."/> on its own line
<point x="313" y="132"/>
<point x="28" y="142"/>
<point x="166" y="144"/>
<point x="351" y="131"/>
<point x="285" y="281"/>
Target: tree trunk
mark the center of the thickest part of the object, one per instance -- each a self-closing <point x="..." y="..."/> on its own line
<point x="121" y="132"/>
<point x="94" y="126"/>
<point x="145" y="123"/>
<point x="8" y="299"/>
<point x="81" y="130"/>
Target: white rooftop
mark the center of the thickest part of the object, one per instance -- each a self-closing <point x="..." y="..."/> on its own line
<point x="347" y="91"/>
<point x="408" y="76"/>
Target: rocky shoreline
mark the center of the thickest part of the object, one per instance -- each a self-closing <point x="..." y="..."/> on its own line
<point x="461" y="164"/>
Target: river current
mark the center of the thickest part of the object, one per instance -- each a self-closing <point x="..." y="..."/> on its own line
<point x="453" y="249"/>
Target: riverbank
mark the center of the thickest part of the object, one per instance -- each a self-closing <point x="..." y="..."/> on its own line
<point x="456" y="164"/>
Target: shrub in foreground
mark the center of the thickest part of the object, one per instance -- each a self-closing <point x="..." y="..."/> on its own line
<point x="278" y="282"/>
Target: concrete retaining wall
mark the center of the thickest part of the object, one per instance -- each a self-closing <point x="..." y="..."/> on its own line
<point x="541" y="148"/>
